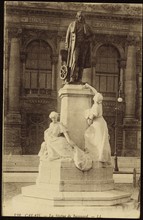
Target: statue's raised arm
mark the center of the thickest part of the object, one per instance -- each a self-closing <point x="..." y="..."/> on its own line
<point x="90" y="87"/>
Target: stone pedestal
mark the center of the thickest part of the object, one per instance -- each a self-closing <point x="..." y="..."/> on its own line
<point x="60" y="183"/>
<point x="75" y="99"/>
<point x="63" y="176"/>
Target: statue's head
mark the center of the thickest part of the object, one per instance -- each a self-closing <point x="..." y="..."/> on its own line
<point x="80" y="17"/>
<point x="98" y="98"/>
<point x="54" y="116"/>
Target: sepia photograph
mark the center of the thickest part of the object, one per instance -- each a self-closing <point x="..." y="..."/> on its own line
<point x="72" y="101"/>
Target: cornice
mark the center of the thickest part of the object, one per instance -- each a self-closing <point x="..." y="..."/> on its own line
<point x="110" y="11"/>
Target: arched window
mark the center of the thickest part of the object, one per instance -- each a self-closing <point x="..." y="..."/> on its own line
<point x="38" y="68"/>
<point x="107" y="71"/>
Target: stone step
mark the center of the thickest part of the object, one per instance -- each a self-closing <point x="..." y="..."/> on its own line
<point x="57" y="198"/>
<point x="31" y="207"/>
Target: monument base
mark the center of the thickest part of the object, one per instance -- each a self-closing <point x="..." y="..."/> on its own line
<point x="33" y="195"/>
<point x="61" y="184"/>
<point x="63" y="176"/>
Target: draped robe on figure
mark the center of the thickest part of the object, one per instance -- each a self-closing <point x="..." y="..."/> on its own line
<point x="56" y="146"/>
<point x="97" y="137"/>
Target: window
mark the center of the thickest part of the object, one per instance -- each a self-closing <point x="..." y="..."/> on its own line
<point x="38" y="69"/>
<point x="107" y="71"/>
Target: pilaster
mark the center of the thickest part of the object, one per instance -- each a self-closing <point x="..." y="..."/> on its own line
<point x="131" y="131"/>
<point x="130" y="83"/>
<point x="12" y="132"/>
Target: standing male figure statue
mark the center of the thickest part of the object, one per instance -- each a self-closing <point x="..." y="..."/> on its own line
<point x="77" y="44"/>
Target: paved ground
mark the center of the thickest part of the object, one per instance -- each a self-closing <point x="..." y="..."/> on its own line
<point x="12" y="189"/>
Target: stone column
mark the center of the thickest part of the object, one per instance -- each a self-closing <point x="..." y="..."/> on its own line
<point x="13" y="119"/>
<point x="130" y="83"/>
<point x="74" y="101"/>
<point x="23" y="61"/>
<point x="54" y="71"/>
<point x="139" y="82"/>
<point x="61" y="45"/>
<point x="130" y="88"/>
<point x="122" y="65"/>
<point x="5" y="76"/>
<point x="14" y="75"/>
<point x="139" y="96"/>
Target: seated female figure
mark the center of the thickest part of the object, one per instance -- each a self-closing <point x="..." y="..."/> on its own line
<point x="58" y="145"/>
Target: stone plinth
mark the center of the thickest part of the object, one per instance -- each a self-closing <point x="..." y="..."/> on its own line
<point x="34" y="207"/>
<point x="63" y="176"/>
<point x="60" y="183"/>
<point x="75" y="99"/>
<point x="106" y="198"/>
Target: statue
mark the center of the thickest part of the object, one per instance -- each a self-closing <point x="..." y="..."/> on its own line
<point x="58" y="145"/>
<point x="77" y="53"/>
<point x="96" y="135"/>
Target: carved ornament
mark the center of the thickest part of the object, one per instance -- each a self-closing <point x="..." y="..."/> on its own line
<point x="110" y="38"/>
<point x="133" y="40"/>
<point x="75" y="6"/>
<point x="40" y="100"/>
<point x="14" y="32"/>
<point x="22" y="56"/>
<point x="54" y="59"/>
<point x="38" y="34"/>
<point x="112" y="8"/>
<point x="122" y="63"/>
<point x="132" y="10"/>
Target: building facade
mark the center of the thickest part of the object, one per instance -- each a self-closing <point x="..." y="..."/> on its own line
<point x="34" y="34"/>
